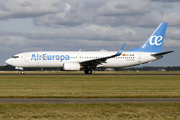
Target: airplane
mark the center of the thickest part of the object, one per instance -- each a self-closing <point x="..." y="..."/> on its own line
<point x="86" y="60"/>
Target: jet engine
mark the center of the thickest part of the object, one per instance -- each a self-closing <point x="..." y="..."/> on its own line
<point x="71" y="66"/>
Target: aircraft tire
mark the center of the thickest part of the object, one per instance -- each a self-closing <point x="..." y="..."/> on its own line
<point x="22" y="72"/>
<point x="88" y="71"/>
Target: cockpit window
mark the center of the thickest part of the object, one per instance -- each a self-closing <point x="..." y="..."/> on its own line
<point x="15" y="56"/>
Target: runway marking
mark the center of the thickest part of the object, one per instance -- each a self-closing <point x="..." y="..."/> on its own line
<point x="98" y="100"/>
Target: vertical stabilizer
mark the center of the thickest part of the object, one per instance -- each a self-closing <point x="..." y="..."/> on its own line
<point x="155" y="41"/>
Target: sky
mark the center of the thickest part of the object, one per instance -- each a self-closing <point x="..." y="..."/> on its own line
<point x="89" y="25"/>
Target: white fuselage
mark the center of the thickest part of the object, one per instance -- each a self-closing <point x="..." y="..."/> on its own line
<point x="56" y="59"/>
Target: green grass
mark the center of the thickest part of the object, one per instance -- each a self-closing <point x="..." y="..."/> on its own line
<point x="104" y="111"/>
<point x="90" y="86"/>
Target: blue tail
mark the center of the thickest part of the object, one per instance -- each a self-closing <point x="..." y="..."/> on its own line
<point x="155" y="41"/>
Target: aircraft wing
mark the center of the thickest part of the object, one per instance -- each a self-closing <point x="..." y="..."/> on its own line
<point x="95" y="62"/>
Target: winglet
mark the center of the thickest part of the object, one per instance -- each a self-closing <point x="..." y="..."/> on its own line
<point x="120" y="51"/>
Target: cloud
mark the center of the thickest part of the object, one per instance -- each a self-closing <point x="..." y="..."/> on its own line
<point x="113" y="13"/>
<point x="173" y="34"/>
<point x="71" y="16"/>
<point x="26" y="3"/>
<point x="63" y="13"/>
<point x="90" y="37"/>
<point x="165" y="0"/>
<point x="30" y="9"/>
<point x="172" y="43"/>
<point x="125" y="8"/>
<point x="167" y="5"/>
<point x="92" y="33"/>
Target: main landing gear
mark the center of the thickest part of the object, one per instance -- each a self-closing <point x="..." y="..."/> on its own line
<point x="88" y="71"/>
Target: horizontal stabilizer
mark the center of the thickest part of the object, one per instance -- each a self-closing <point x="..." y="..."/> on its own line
<point x="162" y="53"/>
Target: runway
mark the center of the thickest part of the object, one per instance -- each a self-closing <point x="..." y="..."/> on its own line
<point x="91" y="100"/>
<point x="80" y="74"/>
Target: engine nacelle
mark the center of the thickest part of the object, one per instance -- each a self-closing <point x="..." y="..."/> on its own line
<point x="71" y="66"/>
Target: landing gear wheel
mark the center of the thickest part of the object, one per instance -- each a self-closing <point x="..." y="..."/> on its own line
<point x="22" y="72"/>
<point x="88" y="71"/>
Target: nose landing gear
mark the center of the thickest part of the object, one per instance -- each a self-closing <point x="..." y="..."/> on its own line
<point x="22" y="72"/>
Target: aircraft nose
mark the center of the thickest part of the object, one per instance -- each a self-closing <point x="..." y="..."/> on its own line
<point x="8" y="61"/>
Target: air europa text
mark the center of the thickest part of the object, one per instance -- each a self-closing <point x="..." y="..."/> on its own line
<point x="49" y="57"/>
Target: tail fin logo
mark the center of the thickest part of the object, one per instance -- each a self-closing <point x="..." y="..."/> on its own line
<point x="156" y="40"/>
